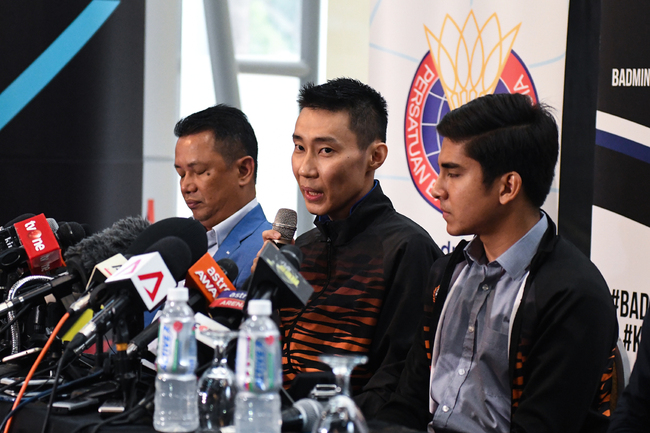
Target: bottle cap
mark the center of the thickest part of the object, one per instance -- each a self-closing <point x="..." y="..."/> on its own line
<point x="259" y="307"/>
<point x="178" y="294"/>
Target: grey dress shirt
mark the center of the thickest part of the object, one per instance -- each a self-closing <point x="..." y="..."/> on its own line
<point x="470" y="387"/>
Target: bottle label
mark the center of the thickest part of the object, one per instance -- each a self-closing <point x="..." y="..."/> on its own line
<point x="176" y="347"/>
<point x="258" y="363"/>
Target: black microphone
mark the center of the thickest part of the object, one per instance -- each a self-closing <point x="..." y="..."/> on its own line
<point x="276" y="277"/>
<point x="197" y="301"/>
<point x="69" y="234"/>
<point x="302" y="416"/>
<point x="116" y="239"/>
<point x="53" y="286"/>
<point x="82" y="257"/>
<point x="13" y="252"/>
<point x="166" y="265"/>
<point x="189" y="230"/>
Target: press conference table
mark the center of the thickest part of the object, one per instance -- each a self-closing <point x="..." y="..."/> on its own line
<point x="30" y="420"/>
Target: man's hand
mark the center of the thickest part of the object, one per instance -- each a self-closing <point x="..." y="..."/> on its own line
<point x="268" y="236"/>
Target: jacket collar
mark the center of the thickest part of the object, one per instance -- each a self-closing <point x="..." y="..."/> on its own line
<point x="362" y="215"/>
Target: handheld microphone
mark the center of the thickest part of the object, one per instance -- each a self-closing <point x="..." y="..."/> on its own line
<point x="196" y="301"/>
<point x="116" y="239"/>
<point x="70" y="234"/>
<point x="149" y="275"/>
<point x="82" y="257"/>
<point x="54" y="285"/>
<point x="302" y="416"/>
<point x="276" y="277"/>
<point x="189" y="230"/>
<point x="8" y="236"/>
<point x="40" y="244"/>
<point x="285" y="222"/>
<point x="209" y="277"/>
<point x="228" y="308"/>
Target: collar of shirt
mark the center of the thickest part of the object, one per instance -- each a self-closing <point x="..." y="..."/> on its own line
<point x="325" y="218"/>
<point x="516" y="259"/>
<point x="218" y="233"/>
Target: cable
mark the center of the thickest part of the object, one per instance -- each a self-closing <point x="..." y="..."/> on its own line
<point x="35" y="366"/>
<point x="52" y="395"/>
<point x="16" y="317"/>
<point x="46" y="393"/>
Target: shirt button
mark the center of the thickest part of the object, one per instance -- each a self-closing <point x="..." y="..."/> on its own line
<point x="445" y="408"/>
<point x="470" y="329"/>
<point x="461" y="371"/>
<point x="485" y="287"/>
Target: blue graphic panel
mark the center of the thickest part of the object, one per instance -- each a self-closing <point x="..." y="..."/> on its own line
<point x="24" y="88"/>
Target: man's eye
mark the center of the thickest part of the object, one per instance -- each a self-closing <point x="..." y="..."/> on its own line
<point x="327" y="150"/>
<point x="299" y="147"/>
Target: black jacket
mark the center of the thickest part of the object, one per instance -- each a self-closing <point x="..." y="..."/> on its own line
<point x="368" y="272"/>
<point x="632" y="414"/>
<point x="561" y="347"/>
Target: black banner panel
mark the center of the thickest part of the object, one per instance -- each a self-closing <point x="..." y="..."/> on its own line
<point x="71" y="109"/>
<point x="621" y="211"/>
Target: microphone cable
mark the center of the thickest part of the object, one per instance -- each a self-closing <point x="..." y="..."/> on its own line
<point x="46" y="393"/>
<point x="41" y="355"/>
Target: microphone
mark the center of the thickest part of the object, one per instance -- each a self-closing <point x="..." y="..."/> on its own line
<point x="82" y="257"/>
<point x="116" y="239"/>
<point x="12" y="248"/>
<point x="302" y="416"/>
<point x="69" y="234"/>
<point x="226" y="269"/>
<point x="285" y="222"/>
<point x="37" y="238"/>
<point x="141" y="237"/>
<point x="100" y="273"/>
<point x="149" y="275"/>
<point x="54" y="285"/>
<point x="276" y="277"/>
<point x="228" y="308"/>
<point x="189" y="230"/>
<point x="210" y="277"/>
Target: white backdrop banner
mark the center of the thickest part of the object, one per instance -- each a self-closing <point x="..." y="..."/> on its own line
<point x="428" y="57"/>
<point x="621" y="211"/>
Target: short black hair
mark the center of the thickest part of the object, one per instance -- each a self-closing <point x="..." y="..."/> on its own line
<point x="233" y="134"/>
<point x="507" y="132"/>
<point x="364" y="105"/>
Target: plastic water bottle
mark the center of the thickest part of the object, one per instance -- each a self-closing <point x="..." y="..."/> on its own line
<point x="176" y="406"/>
<point x="258" y="372"/>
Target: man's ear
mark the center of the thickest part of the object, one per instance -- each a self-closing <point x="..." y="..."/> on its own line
<point x="246" y="170"/>
<point x="511" y="186"/>
<point x="377" y="153"/>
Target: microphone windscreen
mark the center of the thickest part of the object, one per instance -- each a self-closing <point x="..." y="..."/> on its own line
<point x="70" y="233"/>
<point x="108" y="242"/>
<point x="229" y="267"/>
<point x="22" y="217"/>
<point x="285" y="222"/>
<point x="175" y="253"/>
<point x="189" y="230"/>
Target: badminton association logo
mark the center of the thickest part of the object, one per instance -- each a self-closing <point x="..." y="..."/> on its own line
<point x="463" y="63"/>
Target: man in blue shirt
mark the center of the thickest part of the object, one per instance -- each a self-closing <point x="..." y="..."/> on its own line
<point x="216" y="159"/>
<point x="519" y="325"/>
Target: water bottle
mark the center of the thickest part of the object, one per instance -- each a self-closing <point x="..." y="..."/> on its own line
<point x="258" y="372"/>
<point x="176" y="406"/>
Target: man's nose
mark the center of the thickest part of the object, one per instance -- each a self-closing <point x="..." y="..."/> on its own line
<point x="188" y="184"/>
<point x="437" y="189"/>
<point x="307" y="167"/>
